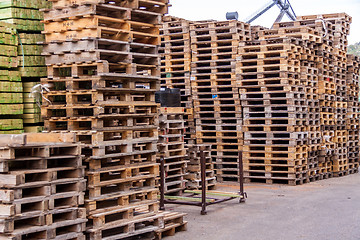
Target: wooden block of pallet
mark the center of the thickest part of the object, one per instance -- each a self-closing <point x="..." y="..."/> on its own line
<point x="11" y="124"/>
<point x="20" y="13"/>
<point x="35" y="4"/>
<point x="42" y="187"/>
<point x="157" y="6"/>
<point x="173" y="222"/>
<point x="26" y="25"/>
<point x="32" y="71"/>
<point x="11" y="109"/>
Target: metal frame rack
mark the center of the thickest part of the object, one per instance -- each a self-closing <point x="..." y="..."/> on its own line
<point x="203" y="197"/>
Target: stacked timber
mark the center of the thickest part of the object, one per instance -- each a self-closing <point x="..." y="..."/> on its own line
<point x="34" y="65"/>
<point x="312" y="78"/>
<point x="42" y="186"/>
<point x="194" y="167"/>
<point x="353" y="112"/>
<point x="104" y="69"/>
<point x="299" y="91"/>
<point x="217" y="108"/>
<point x="26" y="17"/>
<point x="333" y="86"/>
<point x="175" y="53"/>
<point x="11" y="99"/>
<point x="275" y="111"/>
<point x="171" y="147"/>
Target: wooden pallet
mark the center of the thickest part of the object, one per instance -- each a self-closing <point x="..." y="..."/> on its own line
<point x="43" y="201"/>
<point x="171" y="146"/>
<point x="173" y="222"/>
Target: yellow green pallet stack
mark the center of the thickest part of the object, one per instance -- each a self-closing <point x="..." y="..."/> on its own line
<point x="26" y="17"/>
<point x="11" y="97"/>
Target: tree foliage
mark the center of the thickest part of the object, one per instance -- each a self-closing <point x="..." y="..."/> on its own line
<point x="354" y="49"/>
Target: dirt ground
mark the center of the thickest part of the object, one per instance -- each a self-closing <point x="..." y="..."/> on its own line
<point x="323" y="210"/>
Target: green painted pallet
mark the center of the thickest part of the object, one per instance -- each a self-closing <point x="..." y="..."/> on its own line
<point x="11" y="97"/>
<point x="32" y="118"/>
<point x="28" y="129"/>
<point x="8" y="39"/>
<point x="12" y="132"/>
<point x="11" y="86"/>
<point x="8" y="62"/>
<point x="21" y="13"/>
<point x="32" y="71"/>
<point x="7" y="28"/>
<point x="36" y="4"/>
<point x="11" y="124"/>
<point x="30" y="50"/>
<point x="9" y="51"/>
<point x="31" y="61"/>
<point x="26" y="25"/>
<point x="11" y="109"/>
<point x="34" y="109"/>
<point x="31" y="38"/>
<point x="12" y="76"/>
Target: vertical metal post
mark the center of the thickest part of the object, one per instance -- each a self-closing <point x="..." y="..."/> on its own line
<point x="203" y="182"/>
<point x="241" y="178"/>
<point x="162" y="184"/>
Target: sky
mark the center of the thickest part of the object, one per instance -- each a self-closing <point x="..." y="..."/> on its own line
<point x="215" y="9"/>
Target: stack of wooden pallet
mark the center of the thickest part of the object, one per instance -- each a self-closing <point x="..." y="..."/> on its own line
<point x="296" y="97"/>
<point x="34" y="69"/>
<point x="103" y="65"/>
<point x="353" y="111"/>
<point x="334" y="97"/>
<point x="175" y="53"/>
<point x="275" y="110"/>
<point x="171" y="147"/>
<point x="217" y="107"/>
<point x="173" y="222"/>
<point x="11" y="99"/>
<point x="194" y="167"/>
<point x="26" y="18"/>
<point x="42" y="186"/>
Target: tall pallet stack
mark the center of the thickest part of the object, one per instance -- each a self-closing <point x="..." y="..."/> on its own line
<point x="103" y="65"/>
<point x="11" y="99"/>
<point x="217" y="108"/>
<point x="313" y="77"/>
<point x="26" y="17"/>
<point x="175" y="66"/>
<point x="296" y="97"/>
<point x="334" y="99"/>
<point x="42" y="186"/>
<point x="353" y="112"/>
<point x="171" y="147"/>
<point x="275" y="110"/>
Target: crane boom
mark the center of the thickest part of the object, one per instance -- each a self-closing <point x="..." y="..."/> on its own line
<point x="260" y="12"/>
<point x="284" y="6"/>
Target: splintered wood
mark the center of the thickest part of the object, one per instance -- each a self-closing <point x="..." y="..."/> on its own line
<point x="42" y="185"/>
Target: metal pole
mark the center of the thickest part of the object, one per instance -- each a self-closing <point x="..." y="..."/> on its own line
<point x="241" y="178"/>
<point x="203" y="182"/>
<point x="162" y="184"/>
